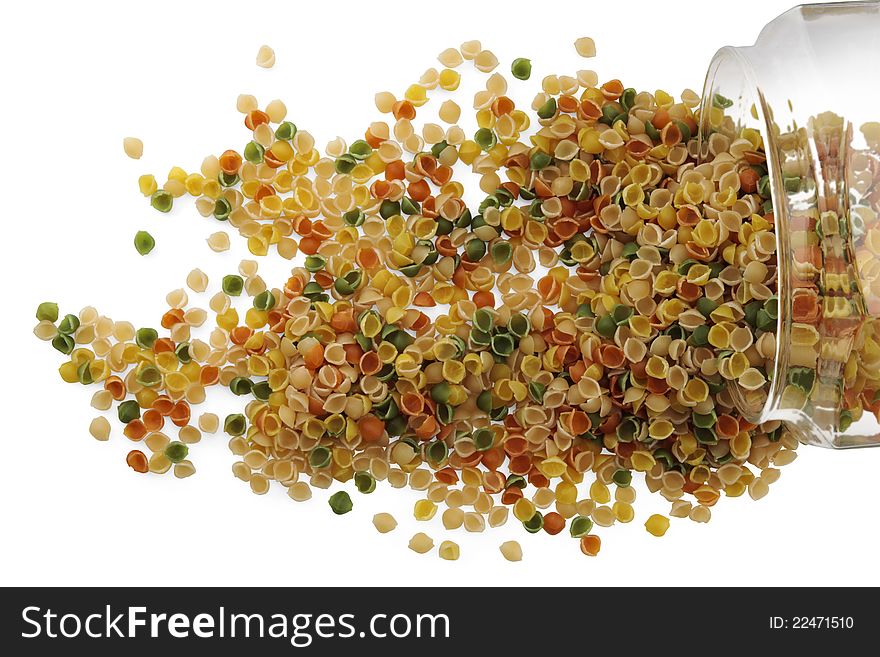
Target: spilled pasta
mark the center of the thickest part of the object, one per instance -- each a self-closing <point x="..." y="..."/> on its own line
<point x="586" y="322"/>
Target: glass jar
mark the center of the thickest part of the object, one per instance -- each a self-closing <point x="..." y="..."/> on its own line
<point x="808" y="92"/>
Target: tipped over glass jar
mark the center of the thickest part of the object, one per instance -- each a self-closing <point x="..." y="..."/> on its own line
<point x="807" y="92"/>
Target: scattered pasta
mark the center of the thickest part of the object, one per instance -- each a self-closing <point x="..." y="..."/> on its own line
<point x="585" y="47"/>
<point x="133" y="147"/>
<point x="415" y="343"/>
<point x="265" y="57"/>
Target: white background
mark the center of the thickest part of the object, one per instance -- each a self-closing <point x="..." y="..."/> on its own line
<point x="78" y="77"/>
